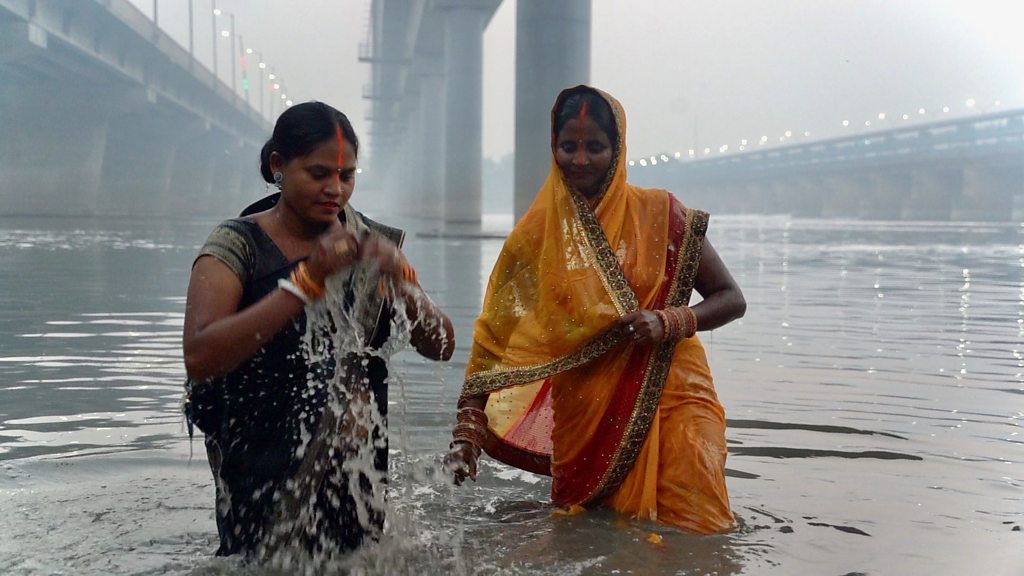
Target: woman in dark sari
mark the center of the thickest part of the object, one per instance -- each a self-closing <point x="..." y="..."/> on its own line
<point x="295" y="427"/>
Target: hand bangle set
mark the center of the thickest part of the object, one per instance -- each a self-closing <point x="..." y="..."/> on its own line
<point x="679" y="322"/>
<point x="302" y="285"/>
<point x="470" y="427"/>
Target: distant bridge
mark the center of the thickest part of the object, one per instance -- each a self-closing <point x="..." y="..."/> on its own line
<point x="963" y="169"/>
<point x="102" y="112"/>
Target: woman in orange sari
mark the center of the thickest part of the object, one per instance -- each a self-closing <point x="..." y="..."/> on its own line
<point x="585" y="365"/>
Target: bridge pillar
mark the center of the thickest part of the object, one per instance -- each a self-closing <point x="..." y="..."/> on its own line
<point x="431" y="146"/>
<point x="464" y="22"/>
<point x="207" y="175"/>
<point x="552" y="53"/>
<point x="51" y="155"/>
<point x="225" y="195"/>
<point x="932" y="190"/>
<point x="807" y="197"/>
<point x="407" y="155"/>
<point x="988" y="192"/>
<point x="883" y="199"/>
<point x="842" y="194"/>
<point x="748" y="200"/>
<point x="140" y="157"/>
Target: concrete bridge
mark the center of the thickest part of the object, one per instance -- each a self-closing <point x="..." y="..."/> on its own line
<point x="964" y="169"/>
<point x="426" y="91"/>
<point x="103" y="113"/>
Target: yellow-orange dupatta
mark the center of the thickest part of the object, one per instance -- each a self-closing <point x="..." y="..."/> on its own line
<point x="568" y="397"/>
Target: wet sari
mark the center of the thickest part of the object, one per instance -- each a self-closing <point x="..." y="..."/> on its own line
<point x="637" y="427"/>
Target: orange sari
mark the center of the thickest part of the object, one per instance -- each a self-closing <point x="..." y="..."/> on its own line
<point x="635" y="427"/>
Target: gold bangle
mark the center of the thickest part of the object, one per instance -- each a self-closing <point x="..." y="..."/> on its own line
<point x="302" y="278"/>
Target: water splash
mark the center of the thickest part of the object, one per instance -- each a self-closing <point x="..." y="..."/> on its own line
<point x="336" y="501"/>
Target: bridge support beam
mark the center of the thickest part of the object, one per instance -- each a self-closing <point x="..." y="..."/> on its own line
<point x="52" y="156"/>
<point x="431" y="145"/>
<point x="843" y="195"/>
<point x="552" y="53"/>
<point x="932" y="192"/>
<point x="139" y="158"/>
<point x="988" y="192"/>
<point x="883" y="198"/>
<point x="464" y="23"/>
<point x="807" y="199"/>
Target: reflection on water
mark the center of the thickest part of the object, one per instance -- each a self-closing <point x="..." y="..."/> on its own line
<point x="875" y="393"/>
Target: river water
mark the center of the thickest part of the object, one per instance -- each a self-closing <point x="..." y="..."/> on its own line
<point x="875" y="395"/>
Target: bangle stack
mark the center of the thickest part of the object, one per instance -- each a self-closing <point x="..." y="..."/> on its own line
<point x="409" y="273"/>
<point x="303" y="282"/>
<point x="470" y="427"/>
<point x="679" y="322"/>
<point x="289" y="287"/>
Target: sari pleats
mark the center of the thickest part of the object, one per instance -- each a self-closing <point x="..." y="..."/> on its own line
<point x="679" y="476"/>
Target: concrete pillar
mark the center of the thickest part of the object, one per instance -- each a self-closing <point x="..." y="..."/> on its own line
<point x="463" y="150"/>
<point x="432" y="145"/>
<point x="842" y="193"/>
<point x="885" y="195"/>
<point x="988" y="192"/>
<point x="225" y="194"/>
<point x="137" y="166"/>
<point x="552" y="53"/>
<point x="808" y="192"/>
<point x="411" y="154"/>
<point x="202" y="169"/>
<point x="932" y="191"/>
<point x="51" y="155"/>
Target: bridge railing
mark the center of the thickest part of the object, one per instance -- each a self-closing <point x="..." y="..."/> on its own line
<point x="994" y="133"/>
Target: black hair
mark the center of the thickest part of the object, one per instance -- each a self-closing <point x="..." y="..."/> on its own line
<point x="597" y="109"/>
<point x="300" y="129"/>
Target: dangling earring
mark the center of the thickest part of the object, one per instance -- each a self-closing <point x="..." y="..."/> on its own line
<point x="278" y="179"/>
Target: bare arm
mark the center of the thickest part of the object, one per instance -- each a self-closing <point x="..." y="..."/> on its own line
<point x="433" y="335"/>
<point x="723" y="300"/>
<point x="217" y="337"/>
<point x="462" y="457"/>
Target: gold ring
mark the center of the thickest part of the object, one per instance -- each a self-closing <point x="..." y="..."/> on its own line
<point x="341" y="248"/>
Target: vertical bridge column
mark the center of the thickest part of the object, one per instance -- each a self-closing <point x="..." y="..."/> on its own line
<point x="989" y="191"/>
<point x="52" y="154"/>
<point x="464" y="22"/>
<point x="431" y="112"/>
<point x="552" y="53"/>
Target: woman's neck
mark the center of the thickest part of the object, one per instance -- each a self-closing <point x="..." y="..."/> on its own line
<point x="293" y="225"/>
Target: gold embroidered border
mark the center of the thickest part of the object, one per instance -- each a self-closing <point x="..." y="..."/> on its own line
<point x="608" y="267"/>
<point x="687" y="262"/>
<point x="491" y="380"/>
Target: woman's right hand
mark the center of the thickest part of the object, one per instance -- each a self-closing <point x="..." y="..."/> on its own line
<point x="334" y="250"/>
<point x="461" y="461"/>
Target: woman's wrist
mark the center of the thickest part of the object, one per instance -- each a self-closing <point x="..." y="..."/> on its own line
<point x="305" y="283"/>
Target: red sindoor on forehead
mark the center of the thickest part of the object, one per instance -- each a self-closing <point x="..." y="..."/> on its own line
<point x="579" y="121"/>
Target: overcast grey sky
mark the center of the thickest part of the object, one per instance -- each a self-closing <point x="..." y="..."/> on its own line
<point x="691" y="74"/>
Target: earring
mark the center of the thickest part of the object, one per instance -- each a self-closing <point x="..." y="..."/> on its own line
<point x="278" y="179"/>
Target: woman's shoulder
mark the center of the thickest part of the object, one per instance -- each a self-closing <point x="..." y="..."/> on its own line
<point x="233" y="242"/>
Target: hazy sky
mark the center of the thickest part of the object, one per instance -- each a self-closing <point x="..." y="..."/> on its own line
<point x="691" y="74"/>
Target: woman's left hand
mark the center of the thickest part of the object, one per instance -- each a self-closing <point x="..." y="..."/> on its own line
<point x="389" y="259"/>
<point x="642" y="326"/>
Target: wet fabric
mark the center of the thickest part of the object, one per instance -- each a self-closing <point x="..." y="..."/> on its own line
<point x="636" y="427"/>
<point x="273" y="404"/>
